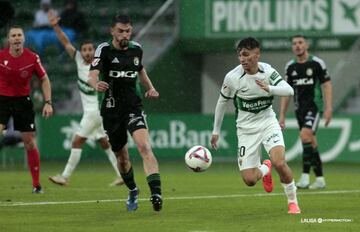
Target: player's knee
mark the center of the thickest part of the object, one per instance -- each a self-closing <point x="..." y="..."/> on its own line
<point x="29" y="144"/>
<point x="249" y="181"/>
<point x="104" y="143"/>
<point x="78" y="142"/>
<point x="123" y="161"/>
<point x="144" y="148"/>
<point x="279" y="164"/>
<point x="306" y="135"/>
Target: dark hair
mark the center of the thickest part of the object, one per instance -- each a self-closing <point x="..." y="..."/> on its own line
<point x="86" y="41"/>
<point x="124" y="19"/>
<point x="298" y="36"/>
<point x="12" y="26"/>
<point x="248" y="43"/>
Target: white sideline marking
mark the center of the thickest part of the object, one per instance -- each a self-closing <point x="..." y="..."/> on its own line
<point x="11" y="204"/>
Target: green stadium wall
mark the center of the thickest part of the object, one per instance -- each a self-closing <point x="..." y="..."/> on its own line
<point x="173" y="134"/>
<point x="177" y="77"/>
<point x="204" y="25"/>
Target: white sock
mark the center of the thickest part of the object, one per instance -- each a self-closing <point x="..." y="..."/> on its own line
<point x="73" y="161"/>
<point x="113" y="160"/>
<point x="290" y="192"/>
<point x="305" y="177"/>
<point x="320" y="179"/>
<point x="264" y="169"/>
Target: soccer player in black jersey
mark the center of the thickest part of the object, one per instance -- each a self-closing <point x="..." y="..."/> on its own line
<point x="308" y="75"/>
<point x="113" y="73"/>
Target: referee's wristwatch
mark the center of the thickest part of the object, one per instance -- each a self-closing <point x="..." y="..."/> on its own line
<point x="49" y="102"/>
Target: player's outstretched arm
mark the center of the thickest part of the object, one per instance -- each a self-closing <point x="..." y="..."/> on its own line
<point x="146" y="82"/>
<point x="64" y="40"/>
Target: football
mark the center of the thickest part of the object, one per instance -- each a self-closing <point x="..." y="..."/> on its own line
<point x="198" y="158"/>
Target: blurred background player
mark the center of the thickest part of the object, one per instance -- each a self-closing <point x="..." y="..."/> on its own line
<point x="118" y="64"/>
<point x="41" y="20"/>
<point x="252" y="86"/>
<point x="38" y="37"/>
<point x="17" y="66"/>
<point x="71" y="18"/>
<point x="91" y="121"/>
<point x="11" y="137"/>
<point x="307" y="74"/>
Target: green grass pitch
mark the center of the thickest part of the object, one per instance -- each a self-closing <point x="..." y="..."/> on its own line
<point x="212" y="201"/>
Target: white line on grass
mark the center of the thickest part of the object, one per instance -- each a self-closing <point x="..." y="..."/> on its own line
<point x="11" y="204"/>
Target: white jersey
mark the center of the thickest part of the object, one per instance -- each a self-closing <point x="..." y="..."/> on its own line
<point x="87" y="93"/>
<point x="253" y="104"/>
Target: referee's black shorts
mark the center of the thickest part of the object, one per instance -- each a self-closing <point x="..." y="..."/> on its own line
<point x="117" y="125"/>
<point x="22" y="111"/>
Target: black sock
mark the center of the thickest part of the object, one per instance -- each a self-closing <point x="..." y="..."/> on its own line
<point x="129" y="179"/>
<point x="316" y="163"/>
<point x="154" y="183"/>
<point x="307" y="153"/>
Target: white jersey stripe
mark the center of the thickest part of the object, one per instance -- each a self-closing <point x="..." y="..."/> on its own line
<point x="99" y="48"/>
<point x="320" y="61"/>
<point x="316" y="121"/>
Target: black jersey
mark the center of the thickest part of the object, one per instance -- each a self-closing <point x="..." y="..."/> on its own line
<point x="119" y="68"/>
<point x="306" y="79"/>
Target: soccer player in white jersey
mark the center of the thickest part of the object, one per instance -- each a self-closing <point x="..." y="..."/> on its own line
<point x="252" y="86"/>
<point x="91" y="122"/>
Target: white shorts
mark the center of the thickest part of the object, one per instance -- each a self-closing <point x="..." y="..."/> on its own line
<point x="91" y="126"/>
<point x="249" y="145"/>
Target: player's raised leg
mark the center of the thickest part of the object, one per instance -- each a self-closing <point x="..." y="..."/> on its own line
<point x="249" y="153"/>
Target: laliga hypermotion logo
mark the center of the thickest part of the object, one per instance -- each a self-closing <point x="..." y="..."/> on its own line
<point x="204" y="158"/>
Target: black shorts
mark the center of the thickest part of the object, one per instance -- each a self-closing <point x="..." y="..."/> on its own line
<point x="308" y="118"/>
<point x="117" y="125"/>
<point x="22" y="111"/>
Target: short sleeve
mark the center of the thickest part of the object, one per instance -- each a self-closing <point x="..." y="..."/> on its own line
<point x="323" y="74"/>
<point x="139" y="55"/>
<point x="287" y="76"/>
<point x="39" y="69"/>
<point x="140" y="60"/>
<point x="227" y="89"/>
<point x="78" y="57"/>
<point x="97" y="63"/>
